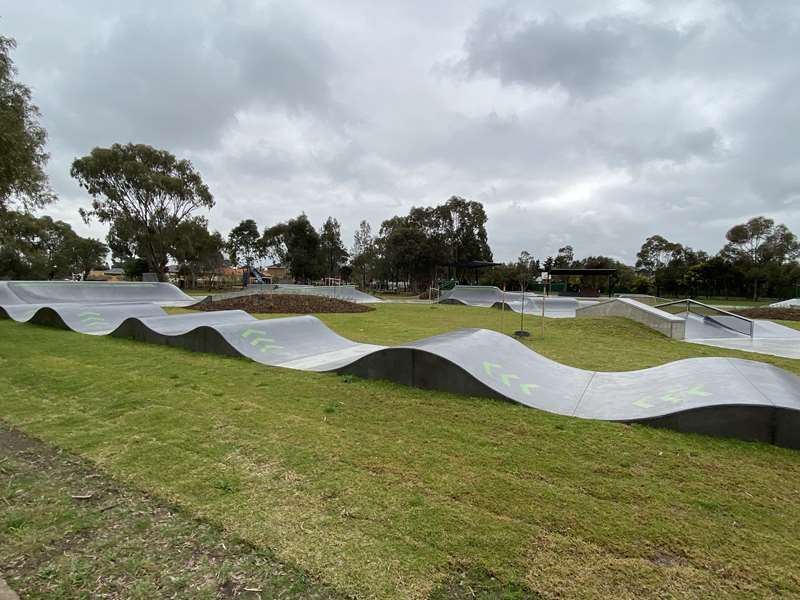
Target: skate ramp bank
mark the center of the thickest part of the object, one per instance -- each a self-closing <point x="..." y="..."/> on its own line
<point x="494" y="297"/>
<point x="91" y="292"/>
<point x="340" y="292"/>
<point x="672" y="326"/>
<point x="92" y="319"/>
<point x="717" y="396"/>
<point x="711" y="326"/>
<point x="791" y="303"/>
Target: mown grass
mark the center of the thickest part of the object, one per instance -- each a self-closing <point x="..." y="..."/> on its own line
<point x="386" y="491"/>
<point x="71" y="532"/>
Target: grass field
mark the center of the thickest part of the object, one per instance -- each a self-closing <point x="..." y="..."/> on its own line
<point x="385" y="491"/>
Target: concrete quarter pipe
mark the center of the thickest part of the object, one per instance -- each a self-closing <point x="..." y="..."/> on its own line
<point x="717" y="396"/>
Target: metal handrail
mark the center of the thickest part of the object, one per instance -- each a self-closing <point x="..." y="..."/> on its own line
<point x="689" y="302"/>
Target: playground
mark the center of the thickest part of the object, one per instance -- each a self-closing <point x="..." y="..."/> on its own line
<point x="369" y="488"/>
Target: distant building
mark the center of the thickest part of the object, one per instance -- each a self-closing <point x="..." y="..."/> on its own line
<point x="279" y="273"/>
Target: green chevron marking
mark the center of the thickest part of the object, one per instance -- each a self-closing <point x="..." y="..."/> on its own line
<point x="248" y="332"/>
<point x="643" y="403"/>
<point x="671" y="397"/>
<point x="507" y="377"/>
<point x="264" y="343"/>
<point x="698" y="391"/>
<point x="527" y="387"/>
<point x="93" y="320"/>
<point x="487" y="366"/>
<point x="89" y="313"/>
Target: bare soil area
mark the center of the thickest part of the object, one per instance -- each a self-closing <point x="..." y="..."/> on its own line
<point x="781" y="314"/>
<point x="285" y="303"/>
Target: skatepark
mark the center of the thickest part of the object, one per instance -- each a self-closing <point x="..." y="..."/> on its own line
<point x="718" y="396"/>
<point x="408" y="396"/>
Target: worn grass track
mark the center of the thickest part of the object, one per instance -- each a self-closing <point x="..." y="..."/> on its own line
<point x="386" y="491"/>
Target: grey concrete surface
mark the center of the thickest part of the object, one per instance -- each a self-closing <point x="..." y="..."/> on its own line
<point x="718" y="396"/>
<point x="768" y="337"/>
<point x="93" y="292"/>
<point x="669" y="325"/>
<point x="791" y="303"/>
<point x="485" y="296"/>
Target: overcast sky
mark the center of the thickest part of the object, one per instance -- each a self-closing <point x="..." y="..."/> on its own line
<point x="571" y="123"/>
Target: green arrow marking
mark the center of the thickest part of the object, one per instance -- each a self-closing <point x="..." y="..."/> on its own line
<point x="264" y="343"/>
<point x="643" y="403"/>
<point x="487" y="366"/>
<point x="507" y="377"/>
<point x="527" y="387"/>
<point x="93" y="321"/>
<point x="698" y="391"/>
<point x="248" y="332"/>
<point x="671" y="397"/>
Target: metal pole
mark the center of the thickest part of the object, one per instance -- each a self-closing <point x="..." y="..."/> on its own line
<point x="544" y="298"/>
<point x="502" y="306"/>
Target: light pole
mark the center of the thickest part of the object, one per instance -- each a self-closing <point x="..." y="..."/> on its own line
<point x="523" y="283"/>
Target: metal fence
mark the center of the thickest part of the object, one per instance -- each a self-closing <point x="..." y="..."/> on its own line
<point x="720" y="317"/>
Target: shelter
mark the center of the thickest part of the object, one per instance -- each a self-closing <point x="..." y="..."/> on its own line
<point x="589" y="289"/>
<point x="469" y="265"/>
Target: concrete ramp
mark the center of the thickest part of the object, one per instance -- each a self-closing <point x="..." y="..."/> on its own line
<point x="791" y="303"/>
<point x="493" y="297"/>
<point x="717" y="396"/>
<point x="94" y="319"/>
<point x="712" y="326"/>
<point x="670" y="325"/>
<point x="92" y="292"/>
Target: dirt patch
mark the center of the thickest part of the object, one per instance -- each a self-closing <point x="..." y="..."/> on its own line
<point x="285" y="303"/>
<point x="781" y="314"/>
<point x="70" y="531"/>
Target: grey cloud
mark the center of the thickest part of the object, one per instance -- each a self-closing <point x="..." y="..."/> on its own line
<point x="593" y="126"/>
<point x="585" y="59"/>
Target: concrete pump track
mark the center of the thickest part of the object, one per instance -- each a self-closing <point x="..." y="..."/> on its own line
<point x="718" y="396"/>
<point x="488" y="296"/>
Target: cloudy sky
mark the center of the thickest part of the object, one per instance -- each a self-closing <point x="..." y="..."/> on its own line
<point x="573" y="124"/>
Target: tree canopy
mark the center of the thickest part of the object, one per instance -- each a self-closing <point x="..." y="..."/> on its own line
<point x="41" y="248"/>
<point x="244" y="244"/>
<point x="143" y="192"/>
<point x="23" y="182"/>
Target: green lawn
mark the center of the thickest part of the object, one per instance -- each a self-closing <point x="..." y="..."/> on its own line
<point x="391" y="492"/>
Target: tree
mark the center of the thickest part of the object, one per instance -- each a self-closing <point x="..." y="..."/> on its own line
<point x="244" y="243"/>
<point x="295" y="243"/>
<point x="760" y="240"/>
<point x="197" y="250"/>
<point x="332" y="250"/>
<point x="757" y="245"/>
<point x="364" y="255"/>
<point x="22" y="141"/>
<point x="564" y="258"/>
<point x="87" y="254"/>
<point x="656" y="253"/>
<point x="145" y="191"/>
<point x="467" y="229"/>
<point x="42" y="248"/>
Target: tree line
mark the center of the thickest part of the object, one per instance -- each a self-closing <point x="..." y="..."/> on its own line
<point x="151" y="202"/>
